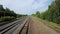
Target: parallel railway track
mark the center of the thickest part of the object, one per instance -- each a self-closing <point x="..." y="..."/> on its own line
<point x="9" y="28"/>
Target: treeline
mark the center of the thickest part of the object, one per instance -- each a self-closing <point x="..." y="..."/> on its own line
<point x="53" y="12"/>
<point x="6" y="12"/>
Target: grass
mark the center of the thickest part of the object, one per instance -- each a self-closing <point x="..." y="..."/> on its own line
<point x="49" y="23"/>
<point x="6" y="18"/>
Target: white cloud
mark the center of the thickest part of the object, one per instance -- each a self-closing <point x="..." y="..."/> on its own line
<point x="40" y="4"/>
<point x="24" y="6"/>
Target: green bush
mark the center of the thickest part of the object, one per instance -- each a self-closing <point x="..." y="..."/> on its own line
<point x="6" y="18"/>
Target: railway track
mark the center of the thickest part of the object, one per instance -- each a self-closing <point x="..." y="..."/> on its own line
<point x="6" y="22"/>
<point x="24" y="29"/>
<point x="11" y="27"/>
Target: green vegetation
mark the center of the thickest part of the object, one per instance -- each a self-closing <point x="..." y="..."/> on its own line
<point x="7" y="14"/>
<point x="50" y="24"/>
<point x="6" y="18"/>
<point x="53" y="12"/>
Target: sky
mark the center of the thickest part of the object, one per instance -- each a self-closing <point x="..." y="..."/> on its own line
<point x="26" y="6"/>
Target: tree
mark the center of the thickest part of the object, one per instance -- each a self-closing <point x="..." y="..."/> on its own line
<point x="38" y="14"/>
<point x="53" y="12"/>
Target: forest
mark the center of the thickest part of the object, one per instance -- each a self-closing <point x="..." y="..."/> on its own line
<point x="7" y="14"/>
<point x="52" y="14"/>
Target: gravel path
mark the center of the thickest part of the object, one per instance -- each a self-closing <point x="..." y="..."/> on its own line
<point x="37" y="27"/>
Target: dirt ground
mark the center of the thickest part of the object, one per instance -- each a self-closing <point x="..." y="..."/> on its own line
<point x="38" y="27"/>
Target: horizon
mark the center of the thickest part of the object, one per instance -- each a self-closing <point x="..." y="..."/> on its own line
<point x="26" y="6"/>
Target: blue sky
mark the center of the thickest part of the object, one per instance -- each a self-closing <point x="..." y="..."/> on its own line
<point x="26" y="6"/>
